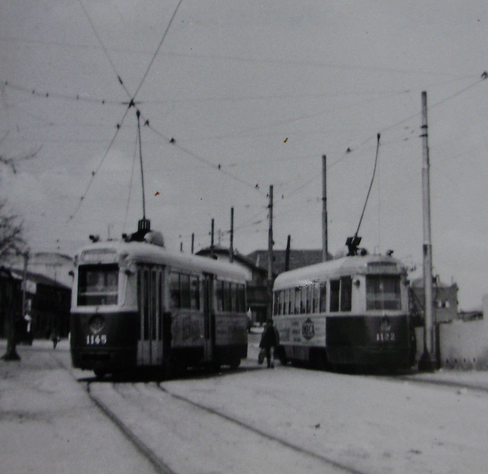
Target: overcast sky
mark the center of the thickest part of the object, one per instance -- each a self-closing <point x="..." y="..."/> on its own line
<point x="252" y="94"/>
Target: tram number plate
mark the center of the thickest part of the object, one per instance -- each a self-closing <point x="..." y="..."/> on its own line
<point x="96" y="340"/>
<point x="385" y="337"/>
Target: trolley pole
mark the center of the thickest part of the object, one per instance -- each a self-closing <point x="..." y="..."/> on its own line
<point x="270" y="254"/>
<point x="427" y="361"/>
<point x="325" y="237"/>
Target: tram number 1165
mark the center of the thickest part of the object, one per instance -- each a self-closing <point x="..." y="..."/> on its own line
<point x="96" y="340"/>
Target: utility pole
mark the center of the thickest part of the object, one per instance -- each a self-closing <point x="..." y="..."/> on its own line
<point x="192" y="243"/>
<point x="231" y="246"/>
<point x="270" y="254"/>
<point x="427" y="361"/>
<point x="212" y="240"/>
<point x="287" y="254"/>
<point x="325" y="237"/>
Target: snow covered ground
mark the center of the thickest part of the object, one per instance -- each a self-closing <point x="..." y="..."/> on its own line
<point x="48" y="425"/>
<point x="364" y="423"/>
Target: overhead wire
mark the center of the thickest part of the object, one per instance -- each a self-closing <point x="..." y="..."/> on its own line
<point x="158" y="48"/>
<point x="94" y="173"/>
<point x="103" y="48"/>
<point x="131" y="102"/>
<point x="218" y="167"/>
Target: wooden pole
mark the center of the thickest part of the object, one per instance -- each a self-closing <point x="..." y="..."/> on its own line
<point x="325" y="237"/>
<point x="231" y="246"/>
<point x="212" y="240"/>
<point x="427" y="361"/>
<point x="270" y="254"/>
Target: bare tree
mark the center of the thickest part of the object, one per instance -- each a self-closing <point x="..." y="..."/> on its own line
<point x="12" y="244"/>
<point x="11" y="228"/>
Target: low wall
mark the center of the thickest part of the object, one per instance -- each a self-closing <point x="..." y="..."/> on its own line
<point x="464" y="345"/>
<point x="461" y="344"/>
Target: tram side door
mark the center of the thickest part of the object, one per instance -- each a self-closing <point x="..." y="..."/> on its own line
<point x="208" y="317"/>
<point x="150" y="281"/>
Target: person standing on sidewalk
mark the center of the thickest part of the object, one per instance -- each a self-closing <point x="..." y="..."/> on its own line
<point x="269" y="342"/>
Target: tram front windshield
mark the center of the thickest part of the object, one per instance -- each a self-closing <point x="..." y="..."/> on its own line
<point x="383" y="292"/>
<point x="98" y="285"/>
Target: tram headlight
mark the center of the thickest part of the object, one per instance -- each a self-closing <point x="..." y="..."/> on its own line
<point x="96" y="324"/>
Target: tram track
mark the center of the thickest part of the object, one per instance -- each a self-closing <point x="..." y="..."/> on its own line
<point x="165" y="427"/>
<point x="131" y="435"/>
<point x="158" y="464"/>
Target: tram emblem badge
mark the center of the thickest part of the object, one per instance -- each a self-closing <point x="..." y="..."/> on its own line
<point x="308" y="329"/>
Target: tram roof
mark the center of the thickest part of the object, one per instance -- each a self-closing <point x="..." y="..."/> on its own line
<point x="338" y="267"/>
<point x="148" y="253"/>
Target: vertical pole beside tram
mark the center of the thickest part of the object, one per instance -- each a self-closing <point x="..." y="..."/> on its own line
<point x="427" y="361"/>
<point x="270" y="255"/>
<point x="325" y="238"/>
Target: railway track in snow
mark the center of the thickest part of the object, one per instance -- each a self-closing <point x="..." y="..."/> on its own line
<point x="180" y="436"/>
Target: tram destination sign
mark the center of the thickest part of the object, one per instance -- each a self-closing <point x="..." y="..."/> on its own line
<point x="98" y="256"/>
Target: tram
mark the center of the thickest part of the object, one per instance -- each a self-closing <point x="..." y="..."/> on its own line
<point x="352" y="311"/>
<point x="136" y="305"/>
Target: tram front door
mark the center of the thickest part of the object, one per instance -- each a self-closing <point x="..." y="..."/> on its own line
<point x="208" y="318"/>
<point x="150" y="283"/>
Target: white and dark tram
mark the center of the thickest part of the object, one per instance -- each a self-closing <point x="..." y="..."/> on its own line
<point x="136" y="305"/>
<point x="352" y="311"/>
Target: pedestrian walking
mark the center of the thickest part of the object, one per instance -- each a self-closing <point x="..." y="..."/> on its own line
<point x="269" y="342"/>
<point x="54" y="337"/>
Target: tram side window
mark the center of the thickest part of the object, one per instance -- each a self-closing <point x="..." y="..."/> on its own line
<point x="315" y="289"/>
<point x="219" y="293"/>
<point x="175" y="290"/>
<point x="235" y="301"/>
<point x="335" y="287"/>
<point x="98" y="285"/>
<point x="298" y="300"/>
<point x="241" y="292"/>
<point x="346" y="294"/>
<point x="341" y="294"/>
<point x="194" y="292"/>
<point x="323" y="297"/>
<point x="185" y="291"/>
<point x="228" y="296"/>
<point x="241" y="295"/>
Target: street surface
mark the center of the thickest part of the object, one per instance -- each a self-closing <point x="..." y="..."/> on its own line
<point x="285" y="420"/>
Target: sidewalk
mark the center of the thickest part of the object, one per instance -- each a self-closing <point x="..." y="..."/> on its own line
<point x="48" y="424"/>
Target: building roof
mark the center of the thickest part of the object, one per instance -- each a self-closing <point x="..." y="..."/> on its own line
<point x="36" y="278"/>
<point x="298" y="259"/>
<point x="237" y="257"/>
